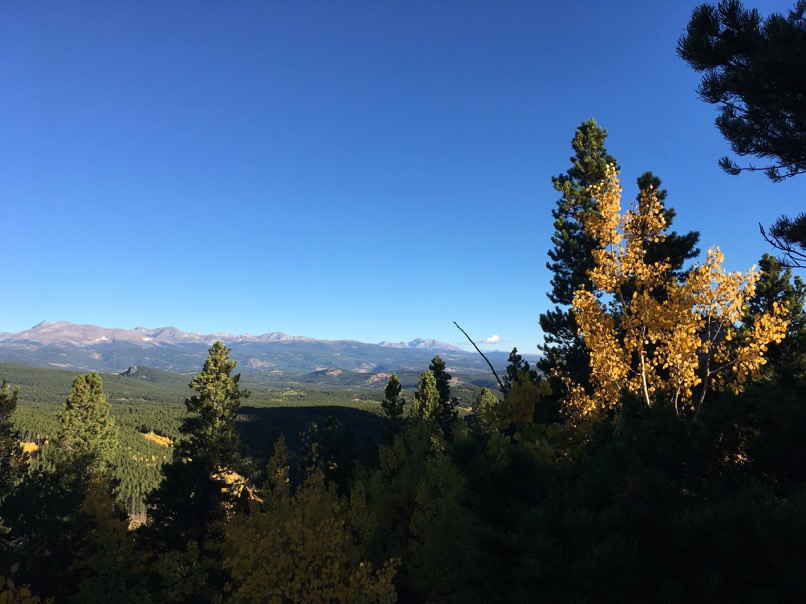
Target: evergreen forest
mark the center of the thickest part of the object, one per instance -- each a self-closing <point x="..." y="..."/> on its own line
<point x="654" y="453"/>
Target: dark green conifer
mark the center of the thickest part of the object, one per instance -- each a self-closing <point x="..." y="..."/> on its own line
<point x="754" y="70"/>
<point x="393" y="401"/>
<point x="392" y="406"/>
<point x="776" y="284"/>
<point x="446" y="412"/>
<point x="12" y="458"/>
<point x="572" y="258"/>
<point x="515" y="368"/>
<point x="55" y="508"/>
<point x="425" y="405"/>
<point x="88" y="433"/>
<point x="186" y="511"/>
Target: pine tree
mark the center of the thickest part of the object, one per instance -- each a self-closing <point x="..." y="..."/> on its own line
<point x="88" y="434"/>
<point x="776" y="285"/>
<point x="446" y="413"/>
<point x="485" y="401"/>
<point x="12" y="458"/>
<point x="48" y="505"/>
<point x="425" y="405"/>
<point x="754" y="70"/>
<point x="392" y="406"/>
<point x="571" y="257"/>
<point x="442" y="378"/>
<point x="211" y="428"/>
<point x="515" y="368"/>
<point x="186" y="511"/>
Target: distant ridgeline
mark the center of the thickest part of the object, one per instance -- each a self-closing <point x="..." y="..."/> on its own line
<point x="90" y="348"/>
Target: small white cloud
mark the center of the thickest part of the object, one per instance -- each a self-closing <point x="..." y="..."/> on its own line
<point x="493" y="339"/>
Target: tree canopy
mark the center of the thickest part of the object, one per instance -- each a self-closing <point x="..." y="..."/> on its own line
<point x="572" y="257"/>
<point x="674" y="335"/>
<point x="12" y="458"/>
<point x="754" y="70"/>
<point x="87" y="428"/>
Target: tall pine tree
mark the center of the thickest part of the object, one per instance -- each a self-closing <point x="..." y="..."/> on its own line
<point x="776" y="284"/>
<point x="50" y="507"/>
<point x="572" y="257"/>
<point x="12" y="458"/>
<point x="186" y="512"/>
<point x="392" y="406"/>
<point x="447" y="413"/>
<point x="425" y="406"/>
<point x="88" y="434"/>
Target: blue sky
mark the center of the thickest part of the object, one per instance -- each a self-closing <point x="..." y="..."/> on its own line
<point x="362" y="170"/>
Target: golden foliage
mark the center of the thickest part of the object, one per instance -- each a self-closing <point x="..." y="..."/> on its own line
<point x="233" y="482"/>
<point x="160" y="440"/>
<point x="29" y="447"/>
<point x="654" y="335"/>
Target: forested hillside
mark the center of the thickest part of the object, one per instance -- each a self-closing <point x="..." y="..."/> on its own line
<point x="146" y="402"/>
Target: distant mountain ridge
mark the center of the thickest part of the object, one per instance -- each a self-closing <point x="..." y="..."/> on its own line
<point x="63" y="332"/>
<point x="420" y="343"/>
<point x="93" y="348"/>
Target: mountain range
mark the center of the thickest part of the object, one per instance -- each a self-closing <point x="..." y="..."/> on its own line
<point x="93" y="348"/>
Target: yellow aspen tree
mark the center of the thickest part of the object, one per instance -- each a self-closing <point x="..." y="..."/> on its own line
<point x="661" y="339"/>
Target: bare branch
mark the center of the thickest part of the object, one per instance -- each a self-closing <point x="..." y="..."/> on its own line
<point x="497" y="379"/>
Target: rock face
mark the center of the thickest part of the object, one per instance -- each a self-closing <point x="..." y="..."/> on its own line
<point x="114" y="350"/>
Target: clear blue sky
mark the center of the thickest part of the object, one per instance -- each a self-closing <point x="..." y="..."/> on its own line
<point x="362" y="170"/>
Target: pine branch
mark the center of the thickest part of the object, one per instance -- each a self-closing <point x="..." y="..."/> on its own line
<point x="797" y="259"/>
